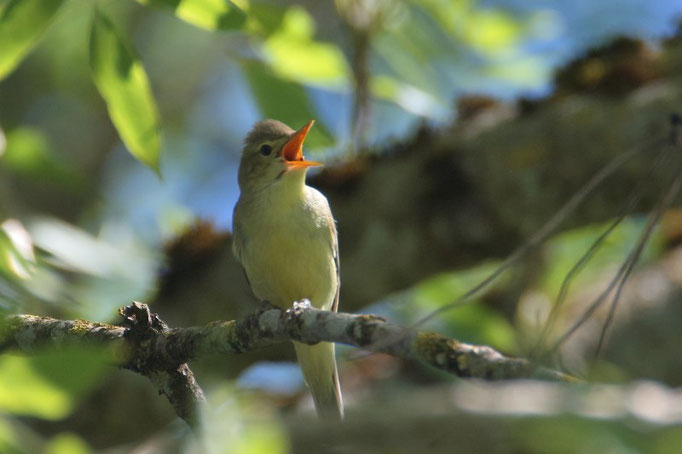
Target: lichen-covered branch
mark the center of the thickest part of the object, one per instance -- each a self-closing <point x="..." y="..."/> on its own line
<point x="144" y="344"/>
<point x="133" y="345"/>
<point x="309" y="325"/>
<point x="147" y="346"/>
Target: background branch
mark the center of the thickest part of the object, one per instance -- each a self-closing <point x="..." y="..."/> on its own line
<point x="437" y="194"/>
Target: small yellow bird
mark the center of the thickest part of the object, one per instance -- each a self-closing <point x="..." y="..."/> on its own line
<point x="285" y="238"/>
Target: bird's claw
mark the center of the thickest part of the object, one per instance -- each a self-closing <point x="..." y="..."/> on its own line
<point x="299" y="306"/>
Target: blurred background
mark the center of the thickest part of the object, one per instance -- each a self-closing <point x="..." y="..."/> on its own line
<point x="451" y="131"/>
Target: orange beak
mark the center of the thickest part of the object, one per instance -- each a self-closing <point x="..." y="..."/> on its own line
<point x="292" y="152"/>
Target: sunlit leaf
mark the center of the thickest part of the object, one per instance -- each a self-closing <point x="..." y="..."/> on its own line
<point x="67" y="443"/>
<point x="17" y="258"/>
<point x="294" y="54"/>
<point x="123" y="83"/>
<point x="285" y="101"/>
<point x="208" y="14"/>
<point x="408" y="97"/>
<point x="487" y="30"/>
<point x="111" y="271"/>
<point x="492" y="31"/>
<point x="22" y="22"/>
<point x="47" y="385"/>
<point x="26" y="392"/>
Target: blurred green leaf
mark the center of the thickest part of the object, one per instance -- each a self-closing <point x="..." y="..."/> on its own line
<point x="74" y="370"/>
<point x="22" y="22"/>
<point x="564" y="250"/>
<point x="471" y="322"/>
<point x="489" y="31"/>
<point x="241" y="424"/>
<point x="9" y="444"/>
<point x="27" y="150"/>
<point x="29" y="154"/>
<point x="408" y="97"/>
<point x="207" y="14"/>
<point x="26" y="392"/>
<point x="480" y="324"/>
<point x="492" y="32"/>
<point x="123" y="83"/>
<point x="47" y="385"/>
<point x="266" y="17"/>
<point x="109" y="272"/>
<point x="293" y="53"/>
<point x="3" y="142"/>
<point x="285" y="101"/>
<point x="67" y="443"/>
<point x="17" y="259"/>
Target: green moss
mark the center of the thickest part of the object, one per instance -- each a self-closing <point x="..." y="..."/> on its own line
<point x="434" y="348"/>
<point x="83" y="327"/>
<point x="428" y="344"/>
<point x="80" y="328"/>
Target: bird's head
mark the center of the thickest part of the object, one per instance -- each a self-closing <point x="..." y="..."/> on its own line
<point x="272" y="152"/>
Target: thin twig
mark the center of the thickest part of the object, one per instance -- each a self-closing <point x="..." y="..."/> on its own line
<point x="632" y="201"/>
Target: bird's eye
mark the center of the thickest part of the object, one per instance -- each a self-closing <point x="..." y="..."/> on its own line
<point x="265" y="150"/>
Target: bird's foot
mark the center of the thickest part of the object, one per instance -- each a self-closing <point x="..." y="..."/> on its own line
<point x="299" y="306"/>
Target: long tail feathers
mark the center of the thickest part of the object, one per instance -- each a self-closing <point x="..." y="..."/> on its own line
<point x="318" y="364"/>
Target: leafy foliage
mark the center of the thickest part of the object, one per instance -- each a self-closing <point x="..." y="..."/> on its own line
<point x="47" y="385"/>
<point x="22" y="22"/>
<point x="124" y="85"/>
<point x="207" y="14"/>
<point x="294" y="54"/>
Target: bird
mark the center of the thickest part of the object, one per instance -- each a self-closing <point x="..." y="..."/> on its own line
<point x="285" y="238"/>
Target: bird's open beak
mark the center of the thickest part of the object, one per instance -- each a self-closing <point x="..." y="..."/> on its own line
<point x="293" y="149"/>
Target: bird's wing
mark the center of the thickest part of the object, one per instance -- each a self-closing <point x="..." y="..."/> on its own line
<point x="238" y="241"/>
<point x="335" y="254"/>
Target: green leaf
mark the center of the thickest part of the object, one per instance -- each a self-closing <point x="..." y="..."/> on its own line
<point x="266" y="18"/>
<point x="67" y="443"/>
<point x="9" y="441"/>
<point x="241" y="424"/>
<point x="48" y="384"/>
<point x="472" y="322"/>
<point x="294" y="54"/>
<point x="123" y="83"/>
<point x="208" y="14"/>
<point x="565" y="249"/>
<point x="285" y="101"/>
<point x="28" y="154"/>
<point x="22" y="22"/>
<point x="26" y="392"/>
<point x="17" y="257"/>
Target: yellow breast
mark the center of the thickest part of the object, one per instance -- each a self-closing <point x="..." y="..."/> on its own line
<point x="288" y="253"/>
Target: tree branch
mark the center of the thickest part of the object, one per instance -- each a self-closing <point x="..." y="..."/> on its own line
<point x="134" y="345"/>
<point x="144" y="344"/>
